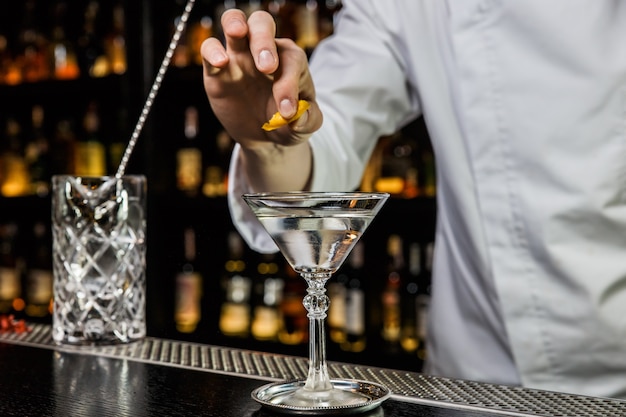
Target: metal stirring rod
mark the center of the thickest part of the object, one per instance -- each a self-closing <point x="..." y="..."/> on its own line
<point x="180" y="27"/>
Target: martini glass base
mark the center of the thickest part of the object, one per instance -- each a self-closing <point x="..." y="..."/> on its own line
<point x="347" y="396"/>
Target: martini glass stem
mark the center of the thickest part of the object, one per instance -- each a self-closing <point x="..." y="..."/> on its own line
<point x="316" y="303"/>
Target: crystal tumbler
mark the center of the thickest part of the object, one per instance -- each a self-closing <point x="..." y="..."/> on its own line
<point x="99" y="259"/>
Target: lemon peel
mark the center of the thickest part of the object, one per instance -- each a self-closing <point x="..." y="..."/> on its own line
<point x="278" y="121"/>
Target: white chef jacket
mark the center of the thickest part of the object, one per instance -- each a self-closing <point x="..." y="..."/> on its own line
<point x="525" y="103"/>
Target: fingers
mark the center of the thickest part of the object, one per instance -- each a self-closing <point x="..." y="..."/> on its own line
<point x="287" y="88"/>
<point x="235" y="30"/>
<point x="254" y="35"/>
<point x="262" y="33"/>
<point x="214" y="56"/>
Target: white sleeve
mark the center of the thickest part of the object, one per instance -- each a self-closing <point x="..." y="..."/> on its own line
<point x="244" y="220"/>
<point x="362" y="90"/>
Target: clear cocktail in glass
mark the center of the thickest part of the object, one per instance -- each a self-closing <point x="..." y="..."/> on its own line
<point x="315" y="232"/>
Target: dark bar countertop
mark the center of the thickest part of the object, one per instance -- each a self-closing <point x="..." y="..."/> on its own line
<point x="157" y="377"/>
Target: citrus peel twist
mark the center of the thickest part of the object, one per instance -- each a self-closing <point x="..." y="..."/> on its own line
<point x="279" y="121"/>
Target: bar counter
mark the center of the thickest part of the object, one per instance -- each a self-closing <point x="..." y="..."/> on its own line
<point x="158" y="377"/>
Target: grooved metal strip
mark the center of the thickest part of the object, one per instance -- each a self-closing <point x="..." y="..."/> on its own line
<point x="406" y="386"/>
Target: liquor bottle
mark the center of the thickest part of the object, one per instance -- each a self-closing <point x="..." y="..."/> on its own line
<point x="391" y="312"/>
<point x="31" y="55"/>
<point x="307" y="25"/>
<point x="64" y="144"/>
<point x="235" y="311"/>
<point x="187" y="308"/>
<point x="90" y="157"/>
<point x="336" y="290"/>
<point x="423" y="301"/>
<point x="10" y="285"/>
<point x="115" y="41"/>
<point x="216" y="176"/>
<point x="266" y="320"/>
<point x="429" y="181"/>
<point x="295" y="323"/>
<point x="91" y="57"/>
<point x="355" y="324"/>
<point x="411" y="183"/>
<point x="189" y="156"/>
<point x="399" y="157"/>
<point x="38" y="288"/>
<point x="409" y="338"/>
<point x="37" y="154"/>
<point x="117" y="145"/>
<point x="6" y="60"/>
<point x="283" y="12"/>
<point x="10" y="66"/>
<point x="14" y="176"/>
<point x="64" y="62"/>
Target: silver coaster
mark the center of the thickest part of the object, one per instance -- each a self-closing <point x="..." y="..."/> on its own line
<point x="354" y="397"/>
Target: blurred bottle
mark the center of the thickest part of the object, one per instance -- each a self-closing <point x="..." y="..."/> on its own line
<point x="391" y="311"/>
<point x="10" y="66"/>
<point x="266" y="319"/>
<point x="423" y="301"/>
<point x="307" y="25"/>
<point x="399" y="163"/>
<point x="63" y="59"/>
<point x="402" y="164"/>
<point x="90" y="156"/>
<point x="295" y="323"/>
<point x="216" y="174"/>
<point x="31" y="54"/>
<point x="117" y="144"/>
<point x="429" y="182"/>
<point x="235" y="312"/>
<point x="283" y="12"/>
<point x="14" y="175"/>
<point x="187" y="310"/>
<point x="337" y="294"/>
<point x="10" y="269"/>
<point x="6" y="61"/>
<point x="409" y="338"/>
<point x="115" y="41"/>
<point x="38" y="277"/>
<point x="64" y="145"/>
<point x="355" y="324"/>
<point x="92" y="60"/>
<point x="37" y="153"/>
<point x="189" y="156"/>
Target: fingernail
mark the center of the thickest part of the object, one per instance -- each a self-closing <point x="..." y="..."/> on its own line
<point x="286" y="108"/>
<point x="217" y="57"/>
<point x="266" y="59"/>
<point x="235" y="23"/>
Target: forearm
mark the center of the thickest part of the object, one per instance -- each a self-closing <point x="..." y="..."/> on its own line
<point x="277" y="167"/>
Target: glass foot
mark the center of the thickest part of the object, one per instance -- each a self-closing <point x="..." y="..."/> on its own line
<point x="348" y="396"/>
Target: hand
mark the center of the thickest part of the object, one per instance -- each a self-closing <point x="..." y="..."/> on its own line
<point x="254" y="76"/>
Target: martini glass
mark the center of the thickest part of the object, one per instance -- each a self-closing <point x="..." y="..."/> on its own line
<point x="315" y="232"/>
